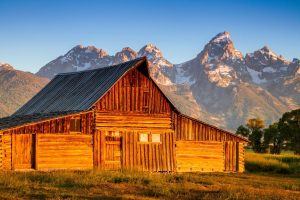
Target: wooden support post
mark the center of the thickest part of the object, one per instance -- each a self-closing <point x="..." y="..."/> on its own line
<point x="237" y="156"/>
<point x="13" y="150"/>
<point x="1" y="151"/>
<point x="102" y="149"/>
<point x="36" y="151"/>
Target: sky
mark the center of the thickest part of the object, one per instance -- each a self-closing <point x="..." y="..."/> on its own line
<point x="32" y="33"/>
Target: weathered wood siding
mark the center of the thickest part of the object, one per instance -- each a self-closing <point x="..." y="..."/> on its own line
<point x="241" y="157"/>
<point x="1" y="151"/>
<point x="60" y="151"/>
<point x="134" y="93"/>
<point x="147" y="156"/>
<point x="132" y="121"/>
<point x="23" y="153"/>
<point x="57" y="125"/>
<point x="204" y="156"/>
<point x="188" y="129"/>
<point x="6" y="147"/>
<point x="231" y="154"/>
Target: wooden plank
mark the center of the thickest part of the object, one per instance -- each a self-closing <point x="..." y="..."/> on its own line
<point x="67" y="155"/>
<point x="36" y="150"/>
<point x="206" y="159"/>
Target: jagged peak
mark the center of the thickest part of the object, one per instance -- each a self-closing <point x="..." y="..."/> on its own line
<point x="223" y="37"/>
<point x="296" y="60"/>
<point x="88" y="49"/>
<point x="150" y="49"/>
<point x="128" y="49"/>
<point x="267" y="50"/>
<point x="270" y="54"/>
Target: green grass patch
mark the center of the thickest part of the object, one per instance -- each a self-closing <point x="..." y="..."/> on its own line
<point x="281" y="164"/>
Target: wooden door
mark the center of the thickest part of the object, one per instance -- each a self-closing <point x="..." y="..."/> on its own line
<point x="199" y="156"/>
<point x="23" y="151"/>
<point x="112" y="158"/>
<point x="231" y="154"/>
<point x="64" y="151"/>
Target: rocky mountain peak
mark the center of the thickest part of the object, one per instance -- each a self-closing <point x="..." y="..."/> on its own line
<point x="223" y="37"/>
<point x="5" y="67"/>
<point x="151" y="51"/>
<point x="80" y="49"/>
<point x="125" y="55"/>
<point x="220" y="48"/>
<point x="266" y="58"/>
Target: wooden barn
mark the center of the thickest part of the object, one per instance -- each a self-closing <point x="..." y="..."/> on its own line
<point x="111" y="118"/>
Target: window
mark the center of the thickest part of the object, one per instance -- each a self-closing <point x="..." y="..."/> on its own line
<point x="156" y="138"/>
<point x="75" y="125"/>
<point x="143" y="137"/>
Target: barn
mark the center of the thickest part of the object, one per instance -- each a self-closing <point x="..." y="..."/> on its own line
<point x="112" y="118"/>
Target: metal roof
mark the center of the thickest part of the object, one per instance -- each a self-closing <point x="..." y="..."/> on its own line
<point x="76" y="91"/>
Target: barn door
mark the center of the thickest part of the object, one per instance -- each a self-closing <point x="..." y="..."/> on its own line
<point x="112" y="159"/>
<point x="231" y="154"/>
<point x="23" y="151"/>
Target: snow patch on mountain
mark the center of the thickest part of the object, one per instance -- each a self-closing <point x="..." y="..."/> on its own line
<point x="222" y="75"/>
<point x="182" y="77"/>
<point x="256" y="76"/>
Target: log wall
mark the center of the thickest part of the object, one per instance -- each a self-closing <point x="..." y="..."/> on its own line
<point x="6" y="147"/>
<point x="196" y="156"/>
<point x="1" y="151"/>
<point x="132" y="121"/>
<point x="241" y="157"/>
<point x="135" y="92"/>
<point x="56" y="125"/>
<point x="187" y="129"/>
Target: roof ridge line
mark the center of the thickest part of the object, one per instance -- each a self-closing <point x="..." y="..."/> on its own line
<point x="89" y="70"/>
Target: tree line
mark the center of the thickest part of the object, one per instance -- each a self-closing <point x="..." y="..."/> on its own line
<point x="284" y="134"/>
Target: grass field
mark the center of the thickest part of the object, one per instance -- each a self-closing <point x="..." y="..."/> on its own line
<point x="270" y="184"/>
<point x="286" y="163"/>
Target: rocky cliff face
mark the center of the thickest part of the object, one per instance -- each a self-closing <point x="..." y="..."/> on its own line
<point x="77" y="59"/>
<point x="222" y="85"/>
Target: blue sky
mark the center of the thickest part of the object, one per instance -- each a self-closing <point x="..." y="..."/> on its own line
<point x="32" y="33"/>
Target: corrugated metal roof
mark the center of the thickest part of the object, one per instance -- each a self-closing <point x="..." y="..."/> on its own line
<point x="76" y="91"/>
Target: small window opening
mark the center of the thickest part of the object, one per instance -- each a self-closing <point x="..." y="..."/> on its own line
<point x="144" y="137"/>
<point x="75" y="125"/>
<point x="156" y="138"/>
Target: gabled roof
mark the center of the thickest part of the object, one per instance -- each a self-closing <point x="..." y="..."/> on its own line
<point x="76" y="91"/>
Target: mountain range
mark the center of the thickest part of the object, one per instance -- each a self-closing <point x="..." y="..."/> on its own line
<point x="220" y="85"/>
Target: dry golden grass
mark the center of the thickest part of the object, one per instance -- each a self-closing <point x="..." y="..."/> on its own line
<point x="139" y="185"/>
<point x="272" y="177"/>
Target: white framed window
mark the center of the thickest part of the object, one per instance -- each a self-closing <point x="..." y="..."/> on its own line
<point x="144" y="137"/>
<point x="155" y="138"/>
